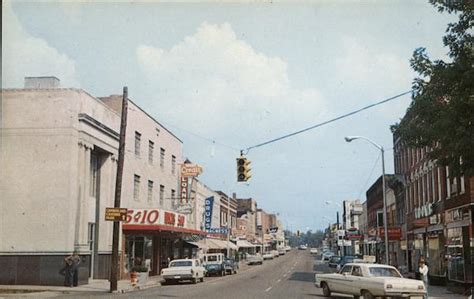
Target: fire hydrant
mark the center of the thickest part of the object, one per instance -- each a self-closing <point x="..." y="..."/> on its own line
<point x="134" y="278"/>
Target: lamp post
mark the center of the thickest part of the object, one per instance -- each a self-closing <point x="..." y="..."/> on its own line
<point x="351" y="138"/>
<point x="328" y="202"/>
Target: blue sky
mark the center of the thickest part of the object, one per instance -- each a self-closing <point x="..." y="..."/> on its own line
<point x="241" y="74"/>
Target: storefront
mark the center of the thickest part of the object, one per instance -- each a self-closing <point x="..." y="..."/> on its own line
<point x="436" y="254"/>
<point x="154" y="237"/>
<point x="459" y="241"/>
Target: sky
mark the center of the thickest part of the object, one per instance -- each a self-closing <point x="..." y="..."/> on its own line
<point x="225" y="76"/>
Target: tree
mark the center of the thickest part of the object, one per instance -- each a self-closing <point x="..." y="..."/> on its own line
<point x="441" y="114"/>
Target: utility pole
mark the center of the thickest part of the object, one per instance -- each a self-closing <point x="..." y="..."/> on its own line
<point x="337" y="233"/>
<point x="118" y="192"/>
<point x="228" y="226"/>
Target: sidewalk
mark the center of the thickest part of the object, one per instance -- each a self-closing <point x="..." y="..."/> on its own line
<point x="442" y="292"/>
<point x="94" y="286"/>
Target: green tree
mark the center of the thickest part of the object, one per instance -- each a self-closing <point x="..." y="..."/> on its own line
<point x="441" y="114"/>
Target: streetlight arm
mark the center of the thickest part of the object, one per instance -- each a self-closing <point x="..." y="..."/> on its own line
<point x="350" y="138"/>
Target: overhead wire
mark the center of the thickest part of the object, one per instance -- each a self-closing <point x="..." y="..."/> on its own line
<point x="325" y="122"/>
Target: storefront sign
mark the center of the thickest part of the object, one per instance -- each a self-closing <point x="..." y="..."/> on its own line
<point x="155" y="217"/>
<point x="424" y="211"/>
<point x="394" y="233"/>
<point x="115" y="214"/>
<point x="184" y="190"/>
<point x="218" y="230"/>
<point x="208" y="205"/>
<point x="190" y="170"/>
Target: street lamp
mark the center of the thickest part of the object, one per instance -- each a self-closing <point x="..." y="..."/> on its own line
<point x="349" y="139"/>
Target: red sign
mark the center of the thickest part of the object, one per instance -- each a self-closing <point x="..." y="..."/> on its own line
<point x="154" y="217"/>
<point x="394" y="233"/>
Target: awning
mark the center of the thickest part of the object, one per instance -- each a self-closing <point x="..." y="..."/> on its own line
<point x="199" y="244"/>
<point x="244" y="244"/>
<point x="220" y="244"/>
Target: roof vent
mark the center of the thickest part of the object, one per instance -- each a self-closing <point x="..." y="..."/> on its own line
<point x="41" y="82"/>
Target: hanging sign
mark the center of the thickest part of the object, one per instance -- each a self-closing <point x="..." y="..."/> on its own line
<point x="190" y="170"/>
<point x="184" y="190"/>
<point x="208" y="205"/>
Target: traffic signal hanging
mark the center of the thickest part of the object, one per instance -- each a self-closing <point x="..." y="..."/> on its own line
<point x="243" y="170"/>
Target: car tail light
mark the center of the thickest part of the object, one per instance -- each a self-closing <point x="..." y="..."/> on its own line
<point x="421" y="287"/>
<point x="389" y="286"/>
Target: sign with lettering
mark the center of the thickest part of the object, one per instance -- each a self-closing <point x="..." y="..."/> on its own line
<point x="208" y="205"/>
<point x="190" y="170"/>
<point x="424" y="211"/>
<point x="115" y="214"/>
<point x="394" y="233"/>
<point x="155" y="217"/>
<point x="184" y="190"/>
<point x="217" y="230"/>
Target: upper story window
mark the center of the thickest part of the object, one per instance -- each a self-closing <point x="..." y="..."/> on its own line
<point x="173" y="164"/>
<point x="173" y="196"/>
<point x="162" y="195"/>
<point x="138" y="138"/>
<point x="151" y="146"/>
<point x="150" y="191"/>
<point x="162" y="157"/>
<point x="136" y="187"/>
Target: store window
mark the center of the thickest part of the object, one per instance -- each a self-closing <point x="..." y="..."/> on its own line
<point x="436" y="256"/>
<point x="455" y="254"/>
<point x="138" y="252"/>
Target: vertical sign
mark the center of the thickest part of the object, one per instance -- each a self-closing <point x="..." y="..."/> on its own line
<point x="184" y="190"/>
<point x="208" y="204"/>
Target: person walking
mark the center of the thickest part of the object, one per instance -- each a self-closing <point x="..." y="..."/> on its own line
<point x="423" y="269"/>
<point x="72" y="267"/>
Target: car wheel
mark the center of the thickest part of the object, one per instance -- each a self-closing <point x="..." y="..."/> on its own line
<point x="194" y="280"/>
<point x="201" y="279"/>
<point x="326" y="290"/>
<point x="235" y="271"/>
<point x="367" y="295"/>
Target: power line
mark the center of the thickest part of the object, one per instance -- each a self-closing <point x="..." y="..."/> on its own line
<point x="326" y="122"/>
<point x="370" y="175"/>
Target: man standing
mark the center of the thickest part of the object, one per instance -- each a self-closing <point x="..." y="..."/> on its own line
<point x="423" y="269"/>
<point x="72" y="266"/>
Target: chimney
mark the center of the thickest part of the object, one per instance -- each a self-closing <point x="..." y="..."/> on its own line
<point x="41" y="82"/>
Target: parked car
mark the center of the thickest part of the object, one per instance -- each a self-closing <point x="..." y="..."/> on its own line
<point x="214" y="264"/>
<point x="313" y="251"/>
<point x="281" y="251"/>
<point x="345" y="260"/>
<point x="369" y="281"/>
<point x="268" y="255"/>
<point x="334" y="261"/>
<point x="288" y="248"/>
<point x="255" y="259"/>
<point x="183" y="269"/>
<point x="327" y="255"/>
<point x="275" y="253"/>
<point x="230" y="266"/>
<point x="302" y="247"/>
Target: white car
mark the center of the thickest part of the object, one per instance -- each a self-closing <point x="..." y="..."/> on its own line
<point x="268" y="255"/>
<point x="183" y="269"/>
<point x="369" y="281"/>
<point x="255" y="259"/>
<point x="288" y="248"/>
<point x="313" y="251"/>
<point x="275" y="253"/>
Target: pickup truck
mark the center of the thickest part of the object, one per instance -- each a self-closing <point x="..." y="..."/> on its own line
<point x="369" y="281"/>
<point x="183" y="269"/>
<point x="214" y="264"/>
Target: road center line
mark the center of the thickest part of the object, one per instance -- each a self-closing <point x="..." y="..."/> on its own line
<point x="278" y="280"/>
<point x="268" y="289"/>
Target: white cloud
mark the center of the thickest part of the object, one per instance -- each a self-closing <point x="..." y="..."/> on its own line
<point x="207" y="81"/>
<point x="24" y="55"/>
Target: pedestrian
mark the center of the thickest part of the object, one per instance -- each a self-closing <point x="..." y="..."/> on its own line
<point x="72" y="267"/>
<point x="423" y="269"/>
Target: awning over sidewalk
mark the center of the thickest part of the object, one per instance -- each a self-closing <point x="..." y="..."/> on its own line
<point x="199" y="244"/>
<point x="220" y="244"/>
<point x="244" y="244"/>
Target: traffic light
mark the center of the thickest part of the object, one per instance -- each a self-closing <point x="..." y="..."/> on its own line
<point x="243" y="169"/>
<point x="297" y="233"/>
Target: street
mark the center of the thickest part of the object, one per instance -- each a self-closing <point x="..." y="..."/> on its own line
<point x="288" y="276"/>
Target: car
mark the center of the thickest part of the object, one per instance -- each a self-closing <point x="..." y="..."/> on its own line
<point x="275" y="253"/>
<point x="313" y="251"/>
<point x="369" y="281"/>
<point x="281" y="251"/>
<point x="288" y="248"/>
<point x="344" y="260"/>
<point x="268" y="255"/>
<point x="302" y="247"/>
<point x="230" y="266"/>
<point x="334" y="261"/>
<point x="214" y="264"/>
<point x="327" y="255"/>
<point x="183" y="269"/>
<point x="254" y="259"/>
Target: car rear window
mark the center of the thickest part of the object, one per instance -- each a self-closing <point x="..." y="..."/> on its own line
<point x="212" y="258"/>
<point x="181" y="264"/>
<point x="383" y="272"/>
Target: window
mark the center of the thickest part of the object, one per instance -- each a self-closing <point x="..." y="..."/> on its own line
<point x="151" y="145"/>
<point x="91" y="235"/>
<point x="162" y="194"/>
<point x="346" y="269"/>
<point x="136" y="187"/>
<point x="94" y="174"/>
<point x="173" y="195"/>
<point x="162" y="157"/>
<point x="173" y="164"/>
<point x="383" y="272"/>
<point x="150" y="191"/>
<point x="138" y="138"/>
<point x="356" y="271"/>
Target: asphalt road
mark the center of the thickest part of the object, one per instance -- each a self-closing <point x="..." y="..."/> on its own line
<point x="288" y="276"/>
